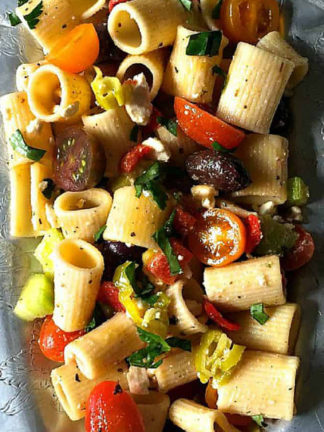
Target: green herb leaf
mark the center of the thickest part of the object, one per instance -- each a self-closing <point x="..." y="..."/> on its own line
<point x="134" y="134"/>
<point x="14" y="19"/>
<point x="220" y="148"/>
<point x="99" y="233"/>
<point x="32" y="18"/>
<point x="22" y="2"/>
<point x="146" y="290"/>
<point x="257" y="312"/>
<point x="158" y="193"/>
<point x="217" y="9"/>
<point x="152" y="338"/>
<point x="49" y="189"/>
<point x="204" y="44"/>
<point x="130" y="272"/>
<point x="219" y="71"/>
<point x="152" y="173"/>
<point x="91" y="325"/>
<point x="259" y="420"/>
<point x="297" y="191"/>
<point x="19" y="145"/>
<point x="175" y="342"/>
<point x="187" y="4"/>
<point x="149" y="181"/>
<point x="151" y="300"/>
<point x="170" y="124"/>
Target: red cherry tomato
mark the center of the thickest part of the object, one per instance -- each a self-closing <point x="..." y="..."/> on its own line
<point x="301" y="253"/>
<point x="131" y="159"/>
<point x="108" y="294"/>
<point x="218" y="318"/>
<point x="253" y="232"/>
<point x="110" y="409"/>
<point x="183" y="222"/>
<point x="53" y="340"/>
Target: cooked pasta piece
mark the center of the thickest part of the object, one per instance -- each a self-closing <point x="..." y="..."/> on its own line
<point x="38" y="173"/>
<point x="141" y="26"/>
<point x="18" y="116"/>
<point x="73" y="389"/>
<point x="82" y="214"/>
<point x="134" y="220"/>
<point x="78" y="267"/>
<point x="277" y="335"/>
<point x="274" y="43"/>
<point x="112" y="129"/>
<point x="266" y="160"/>
<point x="207" y="8"/>
<point x="188" y="76"/>
<point x="178" y="368"/>
<point x="240" y="285"/>
<point x="193" y="417"/>
<point x="154" y="409"/>
<point x="150" y="64"/>
<point x="106" y="345"/>
<point x="55" y="95"/>
<point x="23" y="73"/>
<point x="86" y="8"/>
<point x="254" y="87"/>
<point x="262" y="383"/>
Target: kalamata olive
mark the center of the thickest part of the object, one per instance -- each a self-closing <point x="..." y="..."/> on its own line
<point x="221" y="170"/>
<point x="108" y="50"/>
<point x="281" y="120"/>
<point x="80" y="160"/>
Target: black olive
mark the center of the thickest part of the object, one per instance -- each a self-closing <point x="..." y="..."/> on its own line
<point x="108" y="50"/>
<point x="222" y="170"/>
<point x="281" y="120"/>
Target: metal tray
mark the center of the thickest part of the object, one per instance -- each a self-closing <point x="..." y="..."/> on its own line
<point x="27" y="402"/>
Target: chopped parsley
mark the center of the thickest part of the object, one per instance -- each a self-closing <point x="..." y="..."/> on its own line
<point x="204" y="44"/>
<point x="99" y="233"/>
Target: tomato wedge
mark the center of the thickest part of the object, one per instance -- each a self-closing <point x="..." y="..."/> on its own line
<point x="77" y="50"/>
<point x="253" y="232"/>
<point x="109" y="295"/>
<point x="301" y="253"/>
<point x="205" y="128"/>
<point x="132" y="158"/>
<point x="218" y="318"/>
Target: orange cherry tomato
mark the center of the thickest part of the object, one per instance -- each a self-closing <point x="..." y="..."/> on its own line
<point x="211" y="396"/>
<point x="219" y="237"/>
<point x="249" y="20"/>
<point x="77" y="50"/>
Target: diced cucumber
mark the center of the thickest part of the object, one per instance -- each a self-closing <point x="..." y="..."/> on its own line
<point x="45" y="249"/>
<point x="36" y="299"/>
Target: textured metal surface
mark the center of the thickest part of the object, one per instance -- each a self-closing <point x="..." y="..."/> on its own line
<point x="27" y="403"/>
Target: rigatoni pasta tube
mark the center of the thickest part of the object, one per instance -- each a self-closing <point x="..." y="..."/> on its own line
<point x="261" y="383"/>
<point x="240" y="285"/>
<point x="154" y="409"/>
<point x="23" y="73"/>
<point x="38" y="173"/>
<point x="134" y="29"/>
<point x="193" y="417"/>
<point x="191" y="76"/>
<point x="73" y="389"/>
<point x="82" y="214"/>
<point x="255" y="84"/>
<point x="266" y="160"/>
<point x="134" y="220"/>
<point x="106" y="345"/>
<point x="277" y="335"/>
<point x="55" y="95"/>
<point x="78" y="267"/>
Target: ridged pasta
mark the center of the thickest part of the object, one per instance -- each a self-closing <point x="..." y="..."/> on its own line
<point x="18" y="116"/>
<point x="188" y="76"/>
<point x="154" y="408"/>
<point x="266" y="160"/>
<point x="112" y="129"/>
<point x="277" y="335"/>
<point x="86" y="8"/>
<point x="73" y="389"/>
<point x="78" y="267"/>
<point x="38" y="173"/>
<point x="193" y="417"/>
<point x="151" y="64"/>
<point x="82" y="214"/>
<point x="274" y="43"/>
<point x="261" y="383"/>
<point x="55" y="95"/>
<point x="254" y="87"/>
<point x="23" y="73"/>
<point x="106" y="345"/>
<point x="134" y="220"/>
<point x="141" y="26"/>
<point x="240" y="285"/>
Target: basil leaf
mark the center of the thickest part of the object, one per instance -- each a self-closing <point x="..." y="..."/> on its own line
<point x="20" y="146"/>
<point x="134" y="134"/>
<point x="217" y="9"/>
<point x="149" y="181"/>
<point x="152" y="173"/>
<point x="99" y="233"/>
<point x="130" y="272"/>
<point x="158" y="193"/>
<point x="152" y="338"/>
<point x="220" y="148"/>
<point x="49" y="189"/>
<point x="32" y="18"/>
<point x="170" y="124"/>
<point x="257" y="313"/>
<point x="163" y="241"/>
<point x="168" y="226"/>
<point x="14" y="19"/>
<point x="151" y="300"/>
<point x="219" y="71"/>
<point x="259" y="420"/>
<point x="175" y="342"/>
<point x="204" y="43"/>
<point x="187" y="4"/>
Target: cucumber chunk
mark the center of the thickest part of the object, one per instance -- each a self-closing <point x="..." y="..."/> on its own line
<point x="45" y="249"/>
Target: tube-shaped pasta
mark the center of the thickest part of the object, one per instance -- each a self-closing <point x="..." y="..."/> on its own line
<point x="186" y="322"/>
<point x="254" y="87"/>
<point x="106" y="345"/>
<point x="55" y="95"/>
<point x="82" y="214"/>
<point x="261" y="383"/>
<point x="193" y="417"/>
<point x="73" y="389"/>
<point x="154" y="409"/>
<point x="240" y="285"/>
<point x="38" y="173"/>
<point x="134" y="220"/>
<point x="266" y="160"/>
<point x="207" y="8"/>
<point x="112" y="129"/>
<point x="277" y="335"/>
<point x="133" y="25"/>
<point x="23" y="73"/>
<point x="150" y="64"/>
<point x="188" y="76"/>
<point x="77" y="273"/>
<point x="274" y="43"/>
<point x="86" y="8"/>
<point x="178" y="368"/>
<point x="18" y="116"/>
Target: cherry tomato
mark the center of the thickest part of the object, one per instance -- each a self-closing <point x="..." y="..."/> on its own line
<point x="218" y="318"/>
<point x="108" y="294"/>
<point x="249" y="20"/>
<point x="301" y="253"/>
<point x="183" y="222"/>
<point x="53" y="340"/>
<point x="131" y="159"/>
<point x="219" y="238"/>
<point x="110" y="409"/>
<point x="113" y="3"/>
<point x="253" y="232"/>
<point x="211" y="396"/>
<point x="77" y="50"/>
